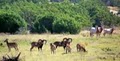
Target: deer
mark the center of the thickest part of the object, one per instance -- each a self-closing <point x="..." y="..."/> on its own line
<point x="38" y="44"/>
<point x="63" y="43"/>
<point x="53" y="48"/>
<point x="11" y="58"/>
<point x="11" y="45"/>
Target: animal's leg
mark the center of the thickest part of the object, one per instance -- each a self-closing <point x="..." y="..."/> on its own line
<point x="66" y="51"/>
<point x="31" y="48"/>
<point x="64" y="47"/>
<point x="16" y="47"/>
<point x="104" y="34"/>
<point x="9" y="49"/>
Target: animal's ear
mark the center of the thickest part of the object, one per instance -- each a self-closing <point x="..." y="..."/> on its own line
<point x="70" y="39"/>
<point x="64" y="39"/>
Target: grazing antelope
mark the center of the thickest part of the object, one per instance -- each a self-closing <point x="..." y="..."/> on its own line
<point x="108" y="31"/>
<point x="11" y="59"/>
<point x="38" y="44"/>
<point x="11" y="45"/>
<point x="52" y="47"/>
<point x="68" y="48"/>
<point x="80" y="47"/>
<point x="63" y="43"/>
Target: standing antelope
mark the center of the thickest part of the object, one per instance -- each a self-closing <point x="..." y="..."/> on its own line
<point x="11" y="45"/>
<point x="68" y="48"/>
<point x="38" y="44"/>
<point x="108" y="31"/>
<point x="52" y="47"/>
<point x="96" y="30"/>
<point x="63" y="43"/>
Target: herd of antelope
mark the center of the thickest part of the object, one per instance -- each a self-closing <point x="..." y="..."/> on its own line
<point x="98" y="30"/>
<point x="65" y="43"/>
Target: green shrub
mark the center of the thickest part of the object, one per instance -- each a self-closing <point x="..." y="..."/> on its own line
<point x="44" y="24"/>
<point x="10" y="23"/>
<point x="66" y="25"/>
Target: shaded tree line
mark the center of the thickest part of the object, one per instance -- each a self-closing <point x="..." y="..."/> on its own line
<point x="62" y="17"/>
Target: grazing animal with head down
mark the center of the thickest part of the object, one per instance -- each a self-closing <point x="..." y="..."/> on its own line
<point x="11" y="45"/>
<point x="11" y="58"/>
<point x="38" y="44"/>
<point x="52" y="47"/>
<point x="108" y="31"/>
<point x="63" y="43"/>
<point x="81" y="47"/>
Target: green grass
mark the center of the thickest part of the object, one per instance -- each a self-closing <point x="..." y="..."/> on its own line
<point x="99" y="49"/>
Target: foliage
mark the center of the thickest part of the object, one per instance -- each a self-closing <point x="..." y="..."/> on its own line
<point x="10" y="23"/>
<point x="42" y="16"/>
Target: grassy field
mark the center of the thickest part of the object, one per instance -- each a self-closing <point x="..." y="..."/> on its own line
<point x="99" y="48"/>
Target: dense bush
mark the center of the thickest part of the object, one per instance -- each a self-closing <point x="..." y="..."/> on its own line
<point x="44" y="24"/>
<point x="10" y="23"/>
<point x="66" y="25"/>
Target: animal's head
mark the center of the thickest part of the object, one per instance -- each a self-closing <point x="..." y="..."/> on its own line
<point x="67" y="39"/>
<point x="6" y="40"/>
<point x="51" y="44"/>
<point x="44" y="41"/>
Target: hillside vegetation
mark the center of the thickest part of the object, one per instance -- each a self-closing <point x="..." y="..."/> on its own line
<point x="40" y="16"/>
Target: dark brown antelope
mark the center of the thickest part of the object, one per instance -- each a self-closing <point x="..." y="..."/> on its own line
<point x="68" y="48"/>
<point x="11" y="45"/>
<point x="38" y="44"/>
<point x="11" y="58"/>
<point x="53" y="48"/>
<point x="63" y="43"/>
<point x="80" y="47"/>
<point x="108" y="31"/>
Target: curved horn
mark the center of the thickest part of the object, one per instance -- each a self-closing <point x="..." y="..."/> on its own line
<point x="45" y="41"/>
<point x="70" y="39"/>
<point x="64" y="39"/>
<point x="39" y="40"/>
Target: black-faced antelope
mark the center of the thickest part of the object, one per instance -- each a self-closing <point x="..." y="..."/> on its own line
<point x="11" y="45"/>
<point x="38" y="44"/>
<point x="52" y="48"/>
